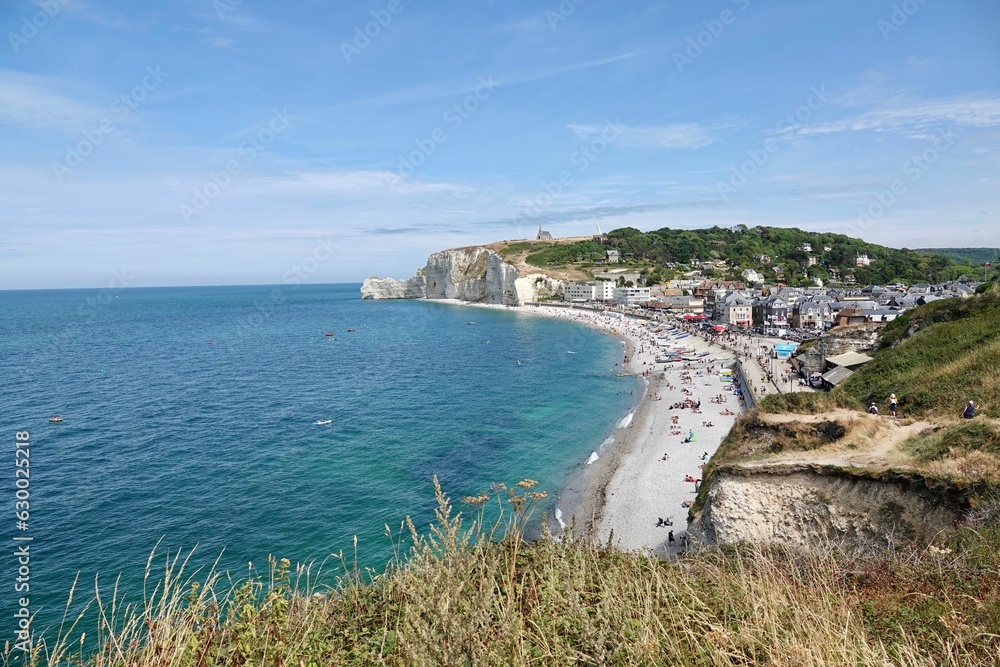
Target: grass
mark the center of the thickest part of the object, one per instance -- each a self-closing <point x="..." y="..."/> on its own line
<point x="960" y="438"/>
<point x="467" y="593"/>
<point x="935" y="358"/>
<point x="520" y="247"/>
<point x="800" y="402"/>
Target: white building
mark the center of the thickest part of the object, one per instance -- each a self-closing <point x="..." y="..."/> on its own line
<point x="579" y="292"/>
<point x="630" y="296"/>
<point x="604" y="290"/>
<point x="862" y="260"/>
<point x="595" y="290"/>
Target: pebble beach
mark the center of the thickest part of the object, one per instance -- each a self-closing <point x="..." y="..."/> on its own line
<point x="648" y="472"/>
<point x="636" y="491"/>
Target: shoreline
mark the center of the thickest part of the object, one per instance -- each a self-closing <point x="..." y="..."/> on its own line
<point x="622" y="494"/>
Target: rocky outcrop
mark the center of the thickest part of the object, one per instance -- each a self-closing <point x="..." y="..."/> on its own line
<point x="475" y="274"/>
<point x="850" y="338"/>
<point x="810" y="507"/>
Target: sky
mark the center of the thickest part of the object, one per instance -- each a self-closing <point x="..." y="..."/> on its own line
<point x="204" y="142"/>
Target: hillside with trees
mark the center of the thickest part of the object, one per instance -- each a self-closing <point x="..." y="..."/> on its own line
<point x="974" y="256"/>
<point x="780" y="254"/>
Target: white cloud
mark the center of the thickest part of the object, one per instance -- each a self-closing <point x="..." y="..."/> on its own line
<point x="226" y="43"/>
<point x="675" y="135"/>
<point x="355" y="182"/>
<point x="84" y="11"/>
<point x="32" y="101"/>
<point x="915" y="120"/>
<point x="489" y="81"/>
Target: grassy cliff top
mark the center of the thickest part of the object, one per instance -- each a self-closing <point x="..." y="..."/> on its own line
<point x="934" y="358"/>
<point x="524" y="255"/>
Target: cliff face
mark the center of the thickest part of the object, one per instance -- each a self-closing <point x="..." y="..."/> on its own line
<point x="474" y="274"/>
<point x="809" y="507"/>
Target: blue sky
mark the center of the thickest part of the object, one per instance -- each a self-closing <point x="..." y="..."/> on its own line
<point x="227" y="141"/>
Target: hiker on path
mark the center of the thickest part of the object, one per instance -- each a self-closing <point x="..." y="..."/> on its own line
<point x="969" y="411"/>
<point x="892" y="405"/>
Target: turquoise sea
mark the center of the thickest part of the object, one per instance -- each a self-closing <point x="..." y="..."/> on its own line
<point x="189" y="421"/>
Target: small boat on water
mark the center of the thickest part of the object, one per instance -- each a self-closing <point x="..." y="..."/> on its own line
<point x="56" y="419"/>
<point x="472" y="322"/>
<point x="570" y="351"/>
<point x="328" y="334"/>
<point x="351" y="330"/>
<point x="323" y="422"/>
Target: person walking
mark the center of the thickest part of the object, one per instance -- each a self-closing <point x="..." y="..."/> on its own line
<point x="893" y="405"/>
<point x="969" y="411"/>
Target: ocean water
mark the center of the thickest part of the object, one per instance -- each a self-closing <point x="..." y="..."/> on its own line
<point x="188" y="422"/>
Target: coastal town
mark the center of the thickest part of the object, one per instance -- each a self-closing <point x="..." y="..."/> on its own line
<point x="769" y="311"/>
<point x="772" y="309"/>
<point x="708" y="350"/>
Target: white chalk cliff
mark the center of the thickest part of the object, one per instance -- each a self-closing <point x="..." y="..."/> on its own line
<point x="812" y="507"/>
<point x="476" y="274"/>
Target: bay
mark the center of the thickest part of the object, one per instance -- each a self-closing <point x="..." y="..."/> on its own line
<point x="189" y="421"/>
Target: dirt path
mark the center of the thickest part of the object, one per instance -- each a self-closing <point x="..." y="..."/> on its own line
<point x="871" y="441"/>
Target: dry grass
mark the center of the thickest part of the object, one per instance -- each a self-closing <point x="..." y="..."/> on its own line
<point x="459" y="597"/>
<point x="971" y="466"/>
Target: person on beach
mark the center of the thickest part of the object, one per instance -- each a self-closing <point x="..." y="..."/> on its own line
<point x="969" y="411"/>
<point x="670" y="538"/>
<point x="893" y="404"/>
